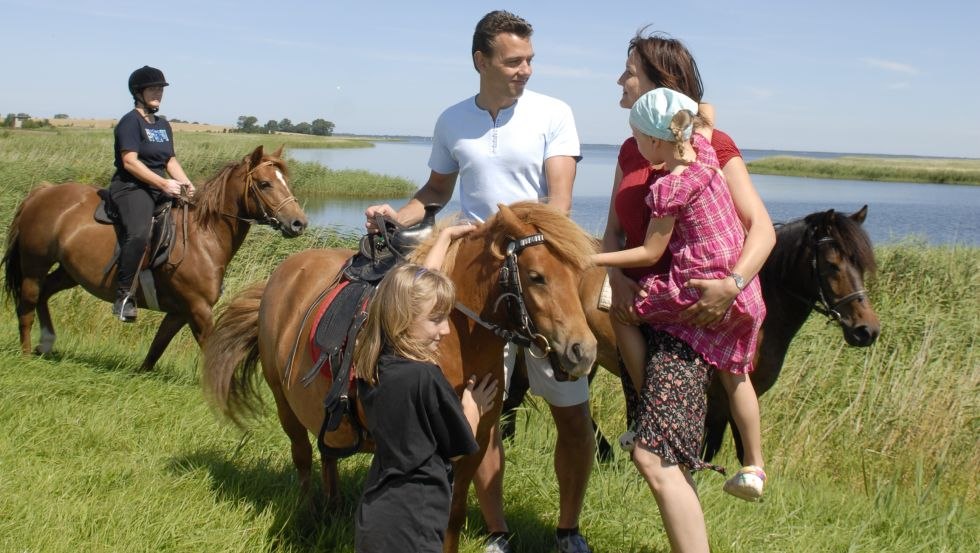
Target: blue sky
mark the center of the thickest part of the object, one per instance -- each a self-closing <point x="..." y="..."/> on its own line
<point x="891" y="77"/>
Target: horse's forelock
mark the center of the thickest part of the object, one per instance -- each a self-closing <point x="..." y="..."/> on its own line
<point x="568" y="241"/>
<point x="854" y="242"/>
<point x="278" y="163"/>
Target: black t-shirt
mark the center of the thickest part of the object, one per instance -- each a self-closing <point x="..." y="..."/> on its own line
<point x="152" y="142"/>
<point x="417" y="423"/>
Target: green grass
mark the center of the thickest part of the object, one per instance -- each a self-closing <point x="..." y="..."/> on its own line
<point x="59" y="155"/>
<point x="928" y="170"/>
<point x="868" y="449"/>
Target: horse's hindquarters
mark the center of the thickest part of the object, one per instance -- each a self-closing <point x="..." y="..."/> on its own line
<point x="57" y="225"/>
<point x="285" y="322"/>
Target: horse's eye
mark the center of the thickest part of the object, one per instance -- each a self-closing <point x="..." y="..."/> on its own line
<point x="536" y="278"/>
<point x="264" y="184"/>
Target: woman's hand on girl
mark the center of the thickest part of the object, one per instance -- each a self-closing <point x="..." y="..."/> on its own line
<point x="717" y="296"/>
<point x="624" y="292"/>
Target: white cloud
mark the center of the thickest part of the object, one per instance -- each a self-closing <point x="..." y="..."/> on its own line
<point x="895" y="66"/>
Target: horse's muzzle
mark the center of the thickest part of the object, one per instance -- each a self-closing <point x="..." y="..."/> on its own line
<point x="575" y="360"/>
<point x="292" y="228"/>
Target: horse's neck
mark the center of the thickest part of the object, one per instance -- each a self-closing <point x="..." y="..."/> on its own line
<point x="473" y="274"/>
<point x="787" y="305"/>
<point x="226" y="234"/>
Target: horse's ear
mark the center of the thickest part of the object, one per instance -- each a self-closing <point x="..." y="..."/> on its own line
<point x="859" y="215"/>
<point x="509" y="221"/>
<point x="278" y="153"/>
<point x="255" y="157"/>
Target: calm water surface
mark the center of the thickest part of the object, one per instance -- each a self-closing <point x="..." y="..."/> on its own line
<point x="936" y="213"/>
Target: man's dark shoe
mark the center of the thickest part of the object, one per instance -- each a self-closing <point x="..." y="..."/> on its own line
<point x="573" y="543"/>
<point x="125" y="308"/>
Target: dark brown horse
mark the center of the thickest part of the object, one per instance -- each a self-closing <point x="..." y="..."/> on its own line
<point x="55" y="225"/>
<point x="267" y="323"/>
<point x="819" y="263"/>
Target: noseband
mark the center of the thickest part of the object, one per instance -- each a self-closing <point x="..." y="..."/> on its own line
<point x="822" y="304"/>
<point x="509" y="280"/>
<point x="265" y="207"/>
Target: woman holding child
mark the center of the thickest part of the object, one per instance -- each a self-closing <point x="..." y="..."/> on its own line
<point x="669" y="432"/>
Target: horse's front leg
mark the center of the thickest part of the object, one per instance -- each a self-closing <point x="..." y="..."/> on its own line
<point x="463" y="472"/>
<point x="201" y="320"/>
<point x="169" y="327"/>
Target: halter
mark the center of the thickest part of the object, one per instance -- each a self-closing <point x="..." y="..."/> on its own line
<point x="509" y="279"/>
<point x="266" y="219"/>
<point x="821" y="304"/>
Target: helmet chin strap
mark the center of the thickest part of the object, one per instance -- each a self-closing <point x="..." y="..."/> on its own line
<point x="141" y="103"/>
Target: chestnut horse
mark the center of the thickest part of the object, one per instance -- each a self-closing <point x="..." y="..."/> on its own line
<point x="55" y="224"/>
<point x="266" y="323"/>
<point x="818" y="263"/>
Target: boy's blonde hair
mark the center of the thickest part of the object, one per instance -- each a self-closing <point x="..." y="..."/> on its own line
<point x="400" y="298"/>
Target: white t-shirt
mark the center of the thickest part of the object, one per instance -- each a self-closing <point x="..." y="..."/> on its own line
<point x="502" y="161"/>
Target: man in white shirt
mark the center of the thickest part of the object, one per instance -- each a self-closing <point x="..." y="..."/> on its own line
<point x="506" y="144"/>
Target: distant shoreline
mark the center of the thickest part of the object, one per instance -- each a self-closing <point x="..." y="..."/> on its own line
<point x="829" y="165"/>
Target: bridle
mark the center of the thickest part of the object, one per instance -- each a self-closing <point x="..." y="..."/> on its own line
<point x="252" y="188"/>
<point x="509" y="280"/>
<point x="821" y="304"/>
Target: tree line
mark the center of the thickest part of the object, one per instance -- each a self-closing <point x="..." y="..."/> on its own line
<point x="250" y="124"/>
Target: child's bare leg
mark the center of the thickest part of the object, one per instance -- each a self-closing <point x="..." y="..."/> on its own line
<point x="745" y="410"/>
<point x="633" y="350"/>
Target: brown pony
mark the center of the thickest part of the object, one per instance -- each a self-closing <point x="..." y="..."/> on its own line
<point x="55" y="224"/>
<point x="267" y="323"/>
<point x="818" y="263"/>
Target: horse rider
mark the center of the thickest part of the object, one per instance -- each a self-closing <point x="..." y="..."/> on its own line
<point x="147" y="175"/>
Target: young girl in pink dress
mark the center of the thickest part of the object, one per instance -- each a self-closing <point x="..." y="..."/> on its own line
<point x="692" y="214"/>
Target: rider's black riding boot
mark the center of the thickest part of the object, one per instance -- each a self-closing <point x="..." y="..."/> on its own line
<point x="124" y="307"/>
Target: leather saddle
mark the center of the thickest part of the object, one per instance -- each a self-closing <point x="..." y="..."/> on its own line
<point x="161" y="237"/>
<point x="379" y="252"/>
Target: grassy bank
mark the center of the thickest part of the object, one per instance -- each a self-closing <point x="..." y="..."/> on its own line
<point x="59" y="155"/>
<point x="946" y="171"/>
<point x="869" y="449"/>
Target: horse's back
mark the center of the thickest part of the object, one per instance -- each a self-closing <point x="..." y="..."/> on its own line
<point x="590" y="288"/>
<point x="285" y="322"/>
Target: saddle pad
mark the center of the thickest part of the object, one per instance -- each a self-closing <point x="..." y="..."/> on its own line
<point x="332" y="322"/>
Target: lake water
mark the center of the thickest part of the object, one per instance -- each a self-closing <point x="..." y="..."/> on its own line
<point x="936" y="213"/>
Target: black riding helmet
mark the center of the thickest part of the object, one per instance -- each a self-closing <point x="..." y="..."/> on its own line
<point x="145" y="77"/>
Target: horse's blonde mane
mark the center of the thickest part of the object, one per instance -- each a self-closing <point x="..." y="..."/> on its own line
<point x="571" y="244"/>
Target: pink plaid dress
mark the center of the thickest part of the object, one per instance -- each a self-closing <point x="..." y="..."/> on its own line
<point x="706" y="242"/>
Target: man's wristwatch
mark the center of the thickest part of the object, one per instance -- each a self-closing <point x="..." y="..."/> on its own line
<point x="739" y="281"/>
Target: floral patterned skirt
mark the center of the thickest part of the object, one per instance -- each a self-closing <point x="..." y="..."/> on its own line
<point x="669" y="413"/>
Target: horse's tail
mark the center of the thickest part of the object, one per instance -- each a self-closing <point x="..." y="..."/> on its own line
<point x="231" y="355"/>
<point x="13" y="273"/>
